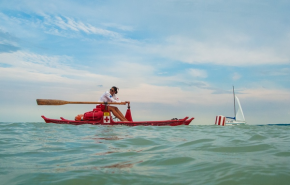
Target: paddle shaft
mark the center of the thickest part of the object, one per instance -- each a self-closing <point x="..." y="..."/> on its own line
<point x="62" y="102"/>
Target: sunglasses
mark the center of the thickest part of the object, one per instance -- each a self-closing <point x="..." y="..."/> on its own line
<point x="112" y="90"/>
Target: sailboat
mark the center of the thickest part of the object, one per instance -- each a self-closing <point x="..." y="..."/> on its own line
<point x="239" y="118"/>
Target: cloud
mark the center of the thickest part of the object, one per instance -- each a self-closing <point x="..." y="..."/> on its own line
<point x="197" y="73"/>
<point x="266" y="95"/>
<point x="61" y="25"/>
<point x="276" y="72"/>
<point x="4" y="48"/>
<point x="8" y="43"/>
<point x="29" y="67"/>
<point x="236" y="76"/>
<point x="146" y="93"/>
<point x="140" y="86"/>
<point x="223" y="52"/>
<point x="119" y="26"/>
<point x="66" y="23"/>
<point x="7" y="38"/>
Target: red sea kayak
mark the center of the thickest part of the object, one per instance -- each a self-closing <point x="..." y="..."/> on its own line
<point x="184" y="121"/>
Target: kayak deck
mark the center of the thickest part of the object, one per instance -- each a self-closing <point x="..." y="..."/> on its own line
<point x="173" y="122"/>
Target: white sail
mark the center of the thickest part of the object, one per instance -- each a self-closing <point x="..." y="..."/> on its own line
<point x="239" y="118"/>
<point x="239" y="112"/>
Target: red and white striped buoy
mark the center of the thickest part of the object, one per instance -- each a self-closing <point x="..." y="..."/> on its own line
<point x="220" y="120"/>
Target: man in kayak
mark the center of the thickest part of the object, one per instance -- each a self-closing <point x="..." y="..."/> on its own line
<point x="111" y="97"/>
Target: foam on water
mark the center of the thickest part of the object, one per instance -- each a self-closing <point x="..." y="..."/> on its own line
<point x="40" y="153"/>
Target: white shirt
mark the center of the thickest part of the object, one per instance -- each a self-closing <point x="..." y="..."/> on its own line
<point x="107" y="97"/>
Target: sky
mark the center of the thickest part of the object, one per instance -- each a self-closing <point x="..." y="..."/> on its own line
<point x="169" y="58"/>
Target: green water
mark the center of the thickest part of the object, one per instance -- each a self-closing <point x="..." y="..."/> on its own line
<point x="40" y="153"/>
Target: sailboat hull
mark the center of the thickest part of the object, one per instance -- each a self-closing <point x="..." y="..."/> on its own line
<point x="234" y="122"/>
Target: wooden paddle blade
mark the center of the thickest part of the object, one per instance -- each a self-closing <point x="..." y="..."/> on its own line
<point x="50" y="102"/>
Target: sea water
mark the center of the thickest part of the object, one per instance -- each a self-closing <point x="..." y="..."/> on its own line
<point x="41" y="153"/>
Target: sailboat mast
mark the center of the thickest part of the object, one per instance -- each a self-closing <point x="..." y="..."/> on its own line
<point x="234" y="102"/>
